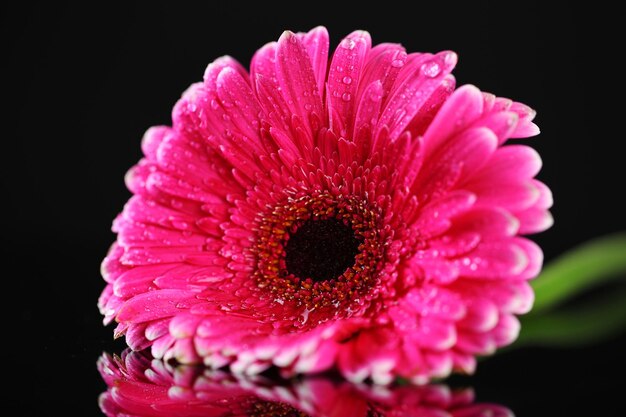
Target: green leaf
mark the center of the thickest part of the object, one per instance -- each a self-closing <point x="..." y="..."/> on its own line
<point x="589" y="265"/>
<point x="582" y="324"/>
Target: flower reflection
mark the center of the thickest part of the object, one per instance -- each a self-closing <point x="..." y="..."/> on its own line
<point x="141" y="386"/>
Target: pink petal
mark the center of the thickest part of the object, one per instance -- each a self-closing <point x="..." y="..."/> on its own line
<point x="152" y="139"/>
<point x="191" y="161"/>
<point x="161" y="346"/>
<point x="482" y="316"/>
<point x="511" y="296"/>
<point x="241" y="106"/>
<point x="214" y="68"/>
<point x="408" y="99"/>
<point x="140" y="209"/>
<point x="155" y="305"/>
<point x="163" y="183"/>
<point x="434" y="333"/>
<point x="157" y="329"/>
<point x="265" y="81"/>
<point x="507" y="330"/>
<point x="458" y="158"/>
<point x="514" y="162"/>
<point x="316" y="44"/>
<point x="436" y="217"/>
<point x="383" y="64"/>
<point x="476" y="343"/>
<point x="136" y="256"/>
<point x="184" y="325"/>
<point x="431" y="107"/>
<point x="440" y="363"/>
<point x="344" y="75"/>
<point x="534" y="220"/>
<point x="137" y="280"/>
<point x="136" y="337"/>
<point x="502" y="124"/>
<point x="297" y="80"/>
<point x="137" y="176"/>
<point x="368" y="110"/>
<point x="525" y="127"/>
<point x="497" y="192"/>
<point x="496" y="260"/>
<point x="105" y="297"/>
<point x="534" y="255"/>
<point x="142" y="235"/>
<point x="487" y="222"/>
<point x="434" y="301"/>
<point x="463" y="362"/>
<point x="464" y="106"/>
<point x="545" y="200"/>
<point x="111" y="268"/>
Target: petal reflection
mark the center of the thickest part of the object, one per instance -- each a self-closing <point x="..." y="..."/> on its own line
<point x="141" y="386"/>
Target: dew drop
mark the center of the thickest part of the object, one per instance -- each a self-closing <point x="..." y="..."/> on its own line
<point x="214" y="104"/>
<point x="397" y="63"/>
<point x="375" y="96"/>
<point x="430" y="69"/>
<point x="347" y="80"/>
<point x="346" y="97"/>
<point x="176" y="204"/>
<point x="308" y="106"/>
<point x="348" y="44"/>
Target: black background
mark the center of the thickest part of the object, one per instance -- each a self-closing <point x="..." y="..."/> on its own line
<point x="82" y="83"/>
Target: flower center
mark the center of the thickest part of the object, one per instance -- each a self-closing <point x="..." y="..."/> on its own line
<point x="321" y="249"/>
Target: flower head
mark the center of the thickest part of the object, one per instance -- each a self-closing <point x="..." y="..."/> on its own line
<point x="359" y="214"/>
<point x="144" y="387"/>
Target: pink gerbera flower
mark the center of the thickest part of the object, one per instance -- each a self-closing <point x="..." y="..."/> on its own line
<point x="358" y="214"/>
<point x="141" y="387"/>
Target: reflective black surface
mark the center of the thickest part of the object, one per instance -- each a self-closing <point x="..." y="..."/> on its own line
<point x="142" y="386"/>
<point x="81" y="84"/>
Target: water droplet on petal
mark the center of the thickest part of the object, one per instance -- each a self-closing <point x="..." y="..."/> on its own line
<point x="348" y="44"/>
<point x="214" y="104"/>
<point x="347" y="80"/>
<point x="397" y="63"/>
<point x="176" y="204"/>
<point x="431" y="69"/>
<point x="346" y="97"/>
